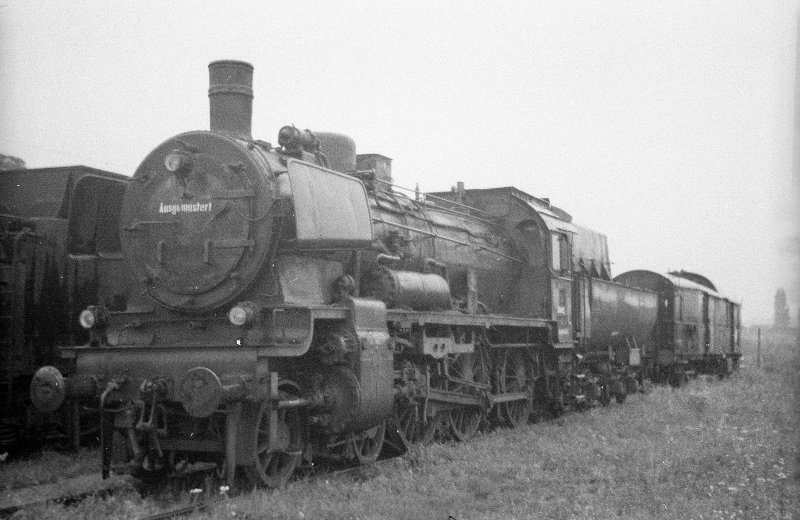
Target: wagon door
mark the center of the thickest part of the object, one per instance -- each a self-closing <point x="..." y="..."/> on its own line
<point x="562" y="286"/>
<point x="581" y="311"/>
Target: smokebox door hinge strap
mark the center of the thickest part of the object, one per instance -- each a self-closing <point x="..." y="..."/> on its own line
<point x="231" y="243"/>
<point x="143" y="224"/>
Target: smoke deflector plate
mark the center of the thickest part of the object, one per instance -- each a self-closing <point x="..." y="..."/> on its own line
<point x="331" y="209"/>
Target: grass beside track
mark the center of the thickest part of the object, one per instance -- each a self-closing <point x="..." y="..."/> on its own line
<point x="715" y="449"/>
<point x="47" y="467"/>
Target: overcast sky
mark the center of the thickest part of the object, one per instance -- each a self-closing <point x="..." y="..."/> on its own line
<point x="665" y="125"/>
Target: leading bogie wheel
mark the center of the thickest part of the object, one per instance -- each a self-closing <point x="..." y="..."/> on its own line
<point x="275" y="465"/>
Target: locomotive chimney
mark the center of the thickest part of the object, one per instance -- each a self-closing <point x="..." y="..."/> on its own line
<point x="230" y="97"/>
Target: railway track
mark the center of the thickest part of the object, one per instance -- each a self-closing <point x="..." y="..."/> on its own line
<point x="76" y="489"/>
<point x="84" y="486"/>
<point x="202" y="506"/>
<point x="178" y="512"/>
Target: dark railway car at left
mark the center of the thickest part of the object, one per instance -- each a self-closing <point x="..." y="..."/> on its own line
<point x="58" y="226"/>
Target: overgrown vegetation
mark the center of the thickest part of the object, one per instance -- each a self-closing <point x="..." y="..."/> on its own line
<point x="47" y="467"/>
<point x="715" y="449"/>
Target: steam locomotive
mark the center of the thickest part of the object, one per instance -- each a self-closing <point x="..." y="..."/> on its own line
<point x="54" y="224"/>
<point x="290" y="303"/>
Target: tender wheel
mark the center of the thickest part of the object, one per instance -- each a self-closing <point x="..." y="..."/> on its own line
<point x="274" y="467"/>
<point x="366" y="445"/>
<point x="513" y="378"/>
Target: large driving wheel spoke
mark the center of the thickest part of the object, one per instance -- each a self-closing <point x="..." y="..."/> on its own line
<point x="367" y="445"/>
<point x="513" y="378"/>
<point x="274" y="465"/>
<point x="436" y="428"/>
<point x="466" y="369"/>
<point x="407" y="425"/>
<point x="464" y="422"/>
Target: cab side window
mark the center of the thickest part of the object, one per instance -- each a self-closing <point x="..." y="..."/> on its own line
<point x="560" y="257"/>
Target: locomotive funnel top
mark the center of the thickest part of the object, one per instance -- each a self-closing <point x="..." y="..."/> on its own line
<point x="230" y="97"/>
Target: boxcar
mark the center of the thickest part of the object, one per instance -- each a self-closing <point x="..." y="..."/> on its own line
<point x="697" y="329"/>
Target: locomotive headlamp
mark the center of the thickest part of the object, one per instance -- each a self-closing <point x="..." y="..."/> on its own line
<point x="93" y="317"/>
<point x="244" y="313"/>
<point x="87" y="319"/>
<point x="178" y="161"/>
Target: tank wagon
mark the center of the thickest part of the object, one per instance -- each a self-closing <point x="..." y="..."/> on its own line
<point x="55" y="225"/>
<point x="697" y="330"/>
<point x="289" y="302"/>
<point x="614" y="334"/>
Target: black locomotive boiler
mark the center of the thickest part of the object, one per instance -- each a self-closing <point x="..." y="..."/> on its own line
<point x="291" y="303"/>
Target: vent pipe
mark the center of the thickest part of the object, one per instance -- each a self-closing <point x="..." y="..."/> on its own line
<point x="379" y="164"/>
<point x="230" y="97"/>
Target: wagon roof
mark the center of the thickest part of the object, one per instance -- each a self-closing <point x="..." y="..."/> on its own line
<point x="45" y="192"/>
<point x="668" y="279"/>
